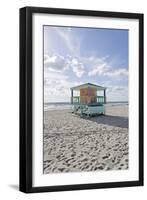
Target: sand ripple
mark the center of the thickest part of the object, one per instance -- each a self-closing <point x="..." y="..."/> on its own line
<point x="74" y="144"/>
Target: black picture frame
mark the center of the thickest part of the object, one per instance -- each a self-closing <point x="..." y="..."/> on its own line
<point x="26" y="104"/>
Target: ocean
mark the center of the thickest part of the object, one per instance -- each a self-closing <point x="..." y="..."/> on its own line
<point x="67" y="105"/>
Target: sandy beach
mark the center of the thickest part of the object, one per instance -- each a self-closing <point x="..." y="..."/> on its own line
<point x="74" y="144"/>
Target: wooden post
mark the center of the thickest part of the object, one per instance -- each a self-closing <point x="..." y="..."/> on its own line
<point x="104" y="95"/>
<point x="71" y="96"/>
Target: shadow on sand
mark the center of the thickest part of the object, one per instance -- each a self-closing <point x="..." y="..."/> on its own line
<point x="14" y="187"/>
<point x="109" y="120"/>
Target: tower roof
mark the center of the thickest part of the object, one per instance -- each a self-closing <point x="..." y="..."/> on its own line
<point x="88" y="85"/>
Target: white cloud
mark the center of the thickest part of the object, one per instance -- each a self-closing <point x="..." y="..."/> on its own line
<point x="55" y="62"/>
<point x="102" y="68"/>
<point x="78" y="70"/>
<point x="58" y="63"/>
<point x="57" y="87"/>
<point x="118" y="72"/>
<point x="77" y="67"/>
<point x="117" y="93"/>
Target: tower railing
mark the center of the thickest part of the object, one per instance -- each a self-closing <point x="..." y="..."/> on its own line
<point x="94" y="99"/>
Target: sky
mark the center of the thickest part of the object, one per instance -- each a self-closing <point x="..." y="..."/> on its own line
<point x="75" y="55"/>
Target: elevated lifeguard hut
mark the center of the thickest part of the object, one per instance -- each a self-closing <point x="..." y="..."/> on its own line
<point x="88" y="102"/>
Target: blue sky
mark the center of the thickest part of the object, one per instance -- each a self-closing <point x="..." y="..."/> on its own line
<point x="74" y="56"/>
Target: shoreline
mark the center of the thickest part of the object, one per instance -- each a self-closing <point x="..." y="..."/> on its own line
<point x="66" y="106"/>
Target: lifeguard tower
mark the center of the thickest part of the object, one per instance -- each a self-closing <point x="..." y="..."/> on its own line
<point x="88" y="102"/>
